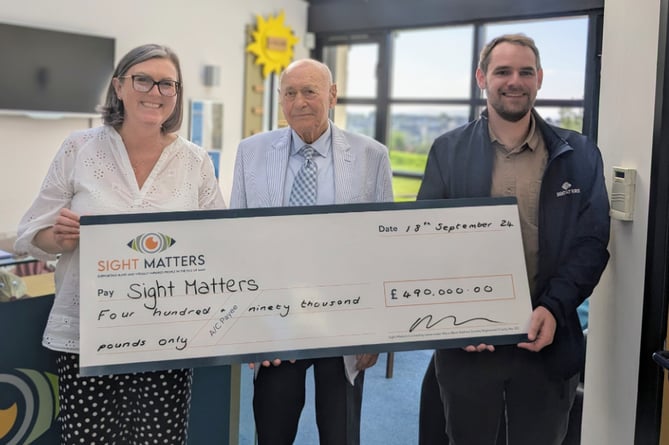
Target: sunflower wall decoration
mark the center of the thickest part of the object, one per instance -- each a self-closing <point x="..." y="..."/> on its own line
<point x="272" y="44"/>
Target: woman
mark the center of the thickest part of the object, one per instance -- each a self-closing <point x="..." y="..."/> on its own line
<point x="134" y="163"/>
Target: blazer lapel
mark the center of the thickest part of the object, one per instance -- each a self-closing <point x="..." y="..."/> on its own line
<point x="276" y="165"/>
<point x="343" y="166"/>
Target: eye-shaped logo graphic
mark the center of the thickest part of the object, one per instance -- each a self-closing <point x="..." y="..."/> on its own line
<point x="151" y="242"/>
<point x="28" y="405"/>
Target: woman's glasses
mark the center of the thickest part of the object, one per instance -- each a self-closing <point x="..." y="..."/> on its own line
<point x="144" y="84"/>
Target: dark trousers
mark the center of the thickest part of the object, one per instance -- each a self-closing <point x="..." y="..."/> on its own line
<point x="279" y="395"/>
<point x="431" y="420"/>
<point x="481" y="390"/>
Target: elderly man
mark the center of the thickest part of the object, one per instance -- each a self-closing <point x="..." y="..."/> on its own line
<point x="311" y="162"/>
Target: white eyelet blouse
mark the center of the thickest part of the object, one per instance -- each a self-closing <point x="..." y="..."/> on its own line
<point x="91" y="174"/>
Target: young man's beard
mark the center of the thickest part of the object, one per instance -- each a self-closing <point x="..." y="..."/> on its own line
<point x="511" y="115"/>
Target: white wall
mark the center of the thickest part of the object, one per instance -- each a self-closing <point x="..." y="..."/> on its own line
<point x="202" y="32"/>
<point x="629" y="63"/>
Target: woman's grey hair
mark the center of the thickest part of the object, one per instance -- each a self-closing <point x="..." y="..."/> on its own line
<point x="113" y="112"/>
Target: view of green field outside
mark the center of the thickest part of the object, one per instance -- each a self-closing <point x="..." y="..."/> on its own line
<point x="405" y="189"/>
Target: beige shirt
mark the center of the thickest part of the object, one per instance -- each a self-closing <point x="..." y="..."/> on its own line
<point x="517" y="171"/>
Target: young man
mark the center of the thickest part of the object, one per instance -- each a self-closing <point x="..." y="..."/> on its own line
<point x="556" y="175"/>
<point x="310" y="162"/>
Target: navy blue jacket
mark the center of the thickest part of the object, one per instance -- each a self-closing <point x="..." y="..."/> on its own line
<point x="573" y="220"/>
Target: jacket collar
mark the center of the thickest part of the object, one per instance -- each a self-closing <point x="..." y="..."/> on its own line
<point x="554" y="137"/>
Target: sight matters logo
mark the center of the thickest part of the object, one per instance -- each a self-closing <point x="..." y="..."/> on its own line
<point x="27" y="410"/>
<point x="567" y="189"/>
<point x="153" y="242"/>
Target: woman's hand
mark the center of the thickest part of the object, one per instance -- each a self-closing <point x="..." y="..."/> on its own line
<point x="63" y="236"/>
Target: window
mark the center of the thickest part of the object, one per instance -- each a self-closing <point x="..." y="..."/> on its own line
<point x="432" y="63"/>
<point x="354" y="69"/>
<point x="356" y="118"/>
<point x="413" y="128"/>
<point x="356" y="73"/>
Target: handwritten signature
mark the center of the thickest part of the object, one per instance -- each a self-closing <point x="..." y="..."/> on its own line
<point x="429" y="323"/>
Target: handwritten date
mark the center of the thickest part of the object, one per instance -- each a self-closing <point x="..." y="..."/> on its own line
<point x="445" y="227"/>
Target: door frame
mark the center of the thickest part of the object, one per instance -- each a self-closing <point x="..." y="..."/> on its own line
<point x="656" y="286"/>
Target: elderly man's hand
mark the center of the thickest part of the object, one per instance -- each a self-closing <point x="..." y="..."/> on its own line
<point x="365" y="361"/>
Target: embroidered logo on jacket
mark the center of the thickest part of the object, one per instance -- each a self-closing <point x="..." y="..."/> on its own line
<point x="567" y="190"/>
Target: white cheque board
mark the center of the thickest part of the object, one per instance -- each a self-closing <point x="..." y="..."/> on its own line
<point x="199" y="288"/>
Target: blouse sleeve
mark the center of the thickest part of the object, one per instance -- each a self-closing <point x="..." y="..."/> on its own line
<point x="55" y="193"/>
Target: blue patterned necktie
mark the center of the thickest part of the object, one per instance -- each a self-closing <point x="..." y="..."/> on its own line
<point x="304" y="188"/>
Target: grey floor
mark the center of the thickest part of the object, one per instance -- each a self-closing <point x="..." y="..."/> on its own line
<point x="389" y="407"/>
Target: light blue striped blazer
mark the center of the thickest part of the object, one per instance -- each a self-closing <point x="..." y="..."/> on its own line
<point x="361" y="169"/>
